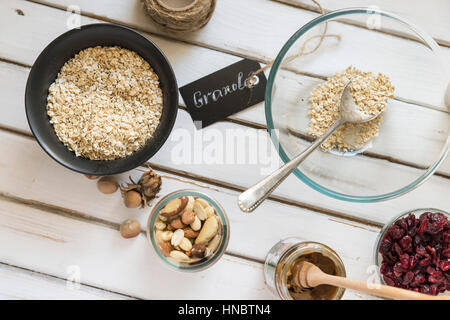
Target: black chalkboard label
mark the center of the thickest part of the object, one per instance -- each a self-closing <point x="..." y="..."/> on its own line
<point x="224" y="92"/>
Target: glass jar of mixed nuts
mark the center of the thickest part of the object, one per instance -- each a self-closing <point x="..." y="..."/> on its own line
<point x="280" y="262"/>
<point x="188" y="230"/>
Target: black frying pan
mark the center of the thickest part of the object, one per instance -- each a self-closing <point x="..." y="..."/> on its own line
<point x="46" y="68"/>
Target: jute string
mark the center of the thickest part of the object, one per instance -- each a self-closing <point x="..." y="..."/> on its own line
<point x="302" y="49"/>
<point x="189" y="18"/>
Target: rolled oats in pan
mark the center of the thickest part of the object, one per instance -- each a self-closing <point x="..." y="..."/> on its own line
<point x="370" y="92"/>
<point x="105" y="103"/>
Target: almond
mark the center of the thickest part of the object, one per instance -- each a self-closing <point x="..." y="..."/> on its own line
<point x="166" y="248"/>
<point x="174" y="207"/>
<point x="188" y="217"/>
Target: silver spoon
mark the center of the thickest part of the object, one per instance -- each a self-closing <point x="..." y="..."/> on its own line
<point x="349" y="111"/>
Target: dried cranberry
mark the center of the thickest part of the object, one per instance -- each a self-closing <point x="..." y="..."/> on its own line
<point x="444" y="265"/>
<point x="398" y="249"/>
<point x="425" y="262"/>
<point x="434" y="290"/>
<point x="388" y="281"/>
<point x="446" y="237"/>
<point x="396" y="233"/>
<point x="404" y="261"/>
<point x="420" y="250"/>
<point x="413" y="261"/>
<point x="446" y="252"/>
<point x="423" y="227"/>
<point x="430" y="250"/>
<point x="405" y="242"/>
<point x="402" y="223"/>
<point x="436" y="277"/>
<point x="398" y="270"/>
<point x="415" y="253"/>
<point x="408" y="277"/>
<point x="425" y="289"/>
<point x="385" y="245"/>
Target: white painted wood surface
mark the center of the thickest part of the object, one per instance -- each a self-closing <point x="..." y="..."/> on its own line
<point x="56" y="218"/>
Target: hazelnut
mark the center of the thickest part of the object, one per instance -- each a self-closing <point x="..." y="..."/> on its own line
<point x="177" y="224"/>
<point x="107" y="185"/>
<point x="132" y="199"/>
<point x="130" y="229"/>
<point x="190" y="234"/>
<point x="188" y="217"/>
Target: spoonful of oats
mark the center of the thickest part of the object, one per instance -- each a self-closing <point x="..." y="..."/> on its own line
<point x="349" y="112"/>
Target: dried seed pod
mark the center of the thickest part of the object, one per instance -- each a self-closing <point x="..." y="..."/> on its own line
<point x="132" y="199"/>
<point x="148" y="186"/>
<point x="107" y="185"/>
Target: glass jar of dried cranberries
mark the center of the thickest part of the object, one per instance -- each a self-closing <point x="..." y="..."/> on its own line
<point x="413" y="251"/>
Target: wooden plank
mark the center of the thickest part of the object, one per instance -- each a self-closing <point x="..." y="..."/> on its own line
<point x="16" y="283"/>
<point x="420" y="126"/>
<point x="72" y="194"/>
<point x="263" y="41"/>
<point x="50" y="243"/>
<point x="435" y="21"/>
<point x="291" y="189"/>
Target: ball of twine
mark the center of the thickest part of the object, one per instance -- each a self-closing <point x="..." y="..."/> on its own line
<point x="189" y="18"/>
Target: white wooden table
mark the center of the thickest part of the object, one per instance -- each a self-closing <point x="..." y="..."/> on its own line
<point x="53" y="222"/>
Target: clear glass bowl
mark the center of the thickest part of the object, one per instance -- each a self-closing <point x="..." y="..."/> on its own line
<point x="414" y="138"/>
<point x="224" y="229"/>
<point x="283" y="254"/>
<point x="417" y="212"/>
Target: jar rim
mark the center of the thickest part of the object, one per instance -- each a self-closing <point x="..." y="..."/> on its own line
<point x="301" y="247"/>
<point x="220" y="213"/>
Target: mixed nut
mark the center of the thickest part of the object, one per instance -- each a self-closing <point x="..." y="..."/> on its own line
<point x="188" y="229"/>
